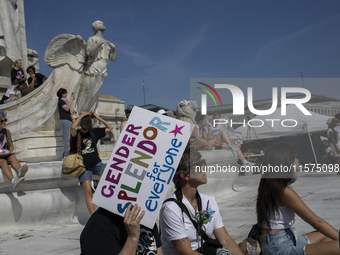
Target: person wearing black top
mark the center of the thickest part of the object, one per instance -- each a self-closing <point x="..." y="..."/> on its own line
<point x="89" y="138"/>
<point x="107" y="233"/>
<point x="35" y="79"/>
<point x="18" y="74"/>
<point x="65" y="120"/>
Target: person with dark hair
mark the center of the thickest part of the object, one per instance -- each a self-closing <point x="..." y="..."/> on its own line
<point x="7" y="157"/>
<point x="107" y="233"/>
<point x="89" y="138"/>
<point x="179" y="235"/>
<point x="337" y="116"/>
<point x="202" y="133"/>
<point x="35" y="79"/>
<point x="277" y="204"/>
<point x="65" y="120"/>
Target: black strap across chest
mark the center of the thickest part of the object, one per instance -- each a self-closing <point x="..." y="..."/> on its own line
<point x="178" y="201"/>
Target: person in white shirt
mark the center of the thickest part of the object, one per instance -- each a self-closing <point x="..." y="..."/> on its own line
<point x="179" y="236"/>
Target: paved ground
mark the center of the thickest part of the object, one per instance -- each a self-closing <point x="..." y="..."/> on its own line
<point x="321" y="192"/>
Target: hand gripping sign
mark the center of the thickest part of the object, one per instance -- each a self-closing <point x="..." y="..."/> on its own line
<point x="142" y="164"/>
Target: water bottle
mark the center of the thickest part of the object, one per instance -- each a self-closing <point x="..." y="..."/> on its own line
<point x="253" y="250"/>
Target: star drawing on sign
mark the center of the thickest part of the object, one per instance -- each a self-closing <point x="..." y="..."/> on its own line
<point x="177" y="130"/>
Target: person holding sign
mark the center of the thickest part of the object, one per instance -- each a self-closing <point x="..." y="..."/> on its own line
<point x="111" y="234"/>
<point x="179" y="235"/>
<point x="89" y="138"/>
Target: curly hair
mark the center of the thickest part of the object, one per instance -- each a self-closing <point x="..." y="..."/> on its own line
<point x="190" y="156"/>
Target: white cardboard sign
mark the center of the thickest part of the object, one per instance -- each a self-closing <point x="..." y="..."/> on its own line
<point x="142" y="164"/>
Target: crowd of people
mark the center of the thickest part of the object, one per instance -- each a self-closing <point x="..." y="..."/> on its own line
<point x="107" y="233"/>
<point x="19" y="87"/>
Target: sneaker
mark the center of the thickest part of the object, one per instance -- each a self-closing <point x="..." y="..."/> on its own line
<point x="232" y="147"/>
<point x="22" y="171"/>
<point x="94" y="184"/>
<point x="247" y="163"/>
<point x="17" y="182"/>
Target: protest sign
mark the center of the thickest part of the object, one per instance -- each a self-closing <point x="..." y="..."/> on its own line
<point x="142" y="164"/>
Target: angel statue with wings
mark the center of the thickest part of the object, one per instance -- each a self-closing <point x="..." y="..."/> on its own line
<point x="81" y="67"/>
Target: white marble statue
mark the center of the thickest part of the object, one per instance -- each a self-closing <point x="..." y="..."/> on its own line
<point x="186" y="111"/>
<point x="33" y="59"/>
<point x="10" y="34"/>
<point x="98" y="51"/>
<point x="90" y="60"/>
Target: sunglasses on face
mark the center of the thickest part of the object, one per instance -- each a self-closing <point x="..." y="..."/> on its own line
<point x="199" y="163"/>
<point x="3" y="121"/>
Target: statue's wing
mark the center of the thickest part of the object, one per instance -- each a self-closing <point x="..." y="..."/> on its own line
<point x="66" y="49"/>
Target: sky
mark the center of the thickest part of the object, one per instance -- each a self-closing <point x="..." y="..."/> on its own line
<point x="165" y="43"/>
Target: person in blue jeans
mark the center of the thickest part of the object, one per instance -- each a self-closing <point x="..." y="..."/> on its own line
<point x="276" y="206"/>
<point x="65" y="121"/>
<point x="89" y="138"/>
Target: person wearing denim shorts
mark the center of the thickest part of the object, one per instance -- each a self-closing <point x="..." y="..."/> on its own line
<point x="284" y="242"/>
<point x="276" y="206"/>
<point x="89" y="138"/>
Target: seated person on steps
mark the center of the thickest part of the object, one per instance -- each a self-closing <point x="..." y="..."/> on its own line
<point x="219" y="137"/>
<point x="7" y="147"/>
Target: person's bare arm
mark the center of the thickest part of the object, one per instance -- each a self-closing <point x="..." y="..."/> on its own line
<point x="223" y="237"/>
<point x="122" y="125"/>
<point x="23" y="71"/>
<point x="67" y="107"/>
<point x="31" y="85"/>
<point x="209" y="132"/>
<point x="292" y="200"/>
<point x="195" y="133"/>
<point x="159" y="251"/>
<point x="334" y="141"/>
<point x="183" y="246"/>
<point x="108" y="126"/>
<point x="9" y="140"/>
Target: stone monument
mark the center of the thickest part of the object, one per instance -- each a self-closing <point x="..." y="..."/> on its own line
<point x="186" y="111"/>
<point x="77" y="67"/>
<point x="12" y="39"/>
